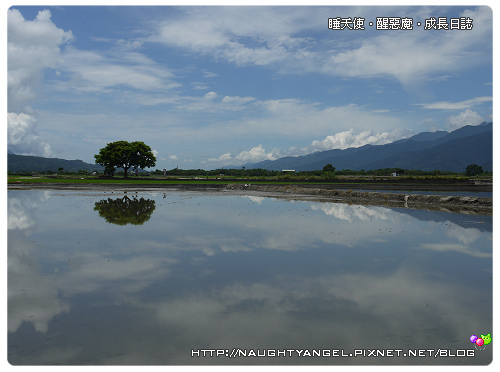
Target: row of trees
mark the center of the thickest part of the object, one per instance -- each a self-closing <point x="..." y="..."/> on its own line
<point x="126" y="155"/>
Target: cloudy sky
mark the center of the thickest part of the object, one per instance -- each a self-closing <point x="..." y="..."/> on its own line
<point x="207" y="87"/>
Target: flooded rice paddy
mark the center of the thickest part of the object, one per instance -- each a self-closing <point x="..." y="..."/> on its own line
<point x="183" y="277"/>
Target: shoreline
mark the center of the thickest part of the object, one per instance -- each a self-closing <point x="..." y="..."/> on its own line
<point x="440" y="203"/>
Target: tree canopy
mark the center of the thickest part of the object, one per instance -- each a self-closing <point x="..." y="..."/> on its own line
<point x="329" y="168"/>
<point x="473" y="170"/>
<point x="123" y="154"/>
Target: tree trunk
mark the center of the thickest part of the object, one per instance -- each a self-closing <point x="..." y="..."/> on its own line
<point x="126" y="172"/>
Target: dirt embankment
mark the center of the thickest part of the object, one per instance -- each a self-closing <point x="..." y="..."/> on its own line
<point x="456" y="204"/>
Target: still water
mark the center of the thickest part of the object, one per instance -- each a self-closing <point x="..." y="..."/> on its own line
<point x="183" y="277"/>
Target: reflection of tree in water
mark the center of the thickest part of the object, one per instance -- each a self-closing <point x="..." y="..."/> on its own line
<point x="125" y="210"/>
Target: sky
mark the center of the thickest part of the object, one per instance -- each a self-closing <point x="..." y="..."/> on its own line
<point x="217" y="86"/>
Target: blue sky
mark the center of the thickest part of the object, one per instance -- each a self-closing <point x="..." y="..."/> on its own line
<point x="208" y="87"/>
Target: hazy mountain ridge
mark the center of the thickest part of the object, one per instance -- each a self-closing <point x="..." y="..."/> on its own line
<point x="27" y="163"/>
<point x="427" y="151"/>
<point x="452" y="156"/>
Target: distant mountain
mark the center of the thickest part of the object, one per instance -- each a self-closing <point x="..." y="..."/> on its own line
<point x="427" y="151"/>
<point x="453" y="155"/>
<point x="425" y="136"/>
<point x="17" y="163"/>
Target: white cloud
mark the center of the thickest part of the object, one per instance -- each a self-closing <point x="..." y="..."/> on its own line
<point x="210" y="96"/>
<point x="94" y="71"/>
<point x="221" y="159"/>
<point x="32" y="46"/>
<point x="219" y="31"/>
<point x="208" y="103"/>
<point x="173" y="158"/>
<point x="156" y="153"/>
<point x="237" y="99"/>
<point x="23" y="138"/>
<point x="468" y="117"/>
<point x="405" y="56"/>
<point x="256" y="154"/>
<point x="199" y="86"/>
<point x="445" y="105"/>
<point x="272" y="37"/>
<point x="416" y="55"/>
<point x="346" y="139"/>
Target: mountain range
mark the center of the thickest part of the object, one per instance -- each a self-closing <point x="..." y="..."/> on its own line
<point x="19" y="163"/>
<point x="426" y="151"/>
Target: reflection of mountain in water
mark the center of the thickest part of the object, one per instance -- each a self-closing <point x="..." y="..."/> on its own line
<point x="122" y="211"/>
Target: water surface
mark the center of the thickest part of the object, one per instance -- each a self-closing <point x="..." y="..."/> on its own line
<point x="172" y="278"/>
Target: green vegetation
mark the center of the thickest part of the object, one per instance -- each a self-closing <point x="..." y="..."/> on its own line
<point x="473" y="170"/>
<point x="126" y="155"/>
<point x="329" y="168"/>
<point x="328" y="174"/>
<point x="225" y="176"/>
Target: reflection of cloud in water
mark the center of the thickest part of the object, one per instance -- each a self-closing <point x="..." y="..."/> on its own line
<point x="130" y="274"/>
<point x="32" y="297"/>
<point x="21" y="208"/>
<point x="445" y="247"/>
<point x="350" y="212"/>
<point x="255" y="199"/>
<point x="362" y="310"/>
<point x="148" y="257"/>
<point x="209" y="244"/>
<point x="278" y="228"/>
<point x="462" y="234"/>
<point x="35" y="298"/>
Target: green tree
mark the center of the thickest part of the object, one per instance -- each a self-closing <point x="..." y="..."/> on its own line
<point x="473" y="170"/>
<point x="123" y="154"/>
<point x="329" y="168"/>
<point x="109" y="170"/>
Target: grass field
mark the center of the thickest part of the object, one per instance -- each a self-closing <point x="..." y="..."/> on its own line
<point x="89" y="179"/>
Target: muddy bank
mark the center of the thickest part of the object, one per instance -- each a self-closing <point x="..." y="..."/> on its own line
<point x="405" y="187"/>
<point x="455" y="204"/>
